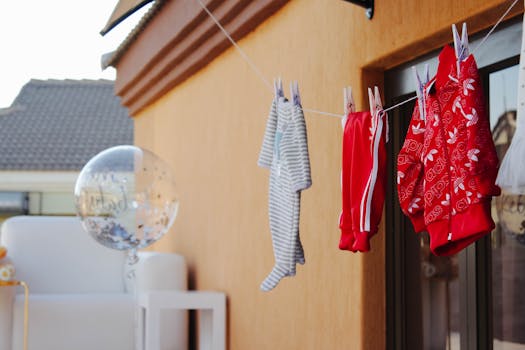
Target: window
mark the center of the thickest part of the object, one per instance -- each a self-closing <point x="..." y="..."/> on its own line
<point x="472" y="300"/>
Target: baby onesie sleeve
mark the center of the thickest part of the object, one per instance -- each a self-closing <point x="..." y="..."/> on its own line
<point x="266" y="153"/>
<point x="299" y="159"/>
<point x="410" y="172"/>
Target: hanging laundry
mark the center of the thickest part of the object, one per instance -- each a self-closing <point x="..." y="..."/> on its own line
<point x="448" y="165"/>
<point x="511" y="176"/>
<point x="410" y="171"/>
<point x="363" y="175"/>
<point x="410" y="176"/>
<point x="285" y="153"/>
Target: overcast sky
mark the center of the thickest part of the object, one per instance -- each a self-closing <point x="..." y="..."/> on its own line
<point x="55" y="39"/>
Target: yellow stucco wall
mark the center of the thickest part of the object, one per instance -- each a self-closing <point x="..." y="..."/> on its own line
<point x="210" y="130"/>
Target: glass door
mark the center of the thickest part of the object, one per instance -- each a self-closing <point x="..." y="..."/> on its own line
<point x="424" y="295"/>
<point x="475" y="299"/>
<point x="508" y="239"/>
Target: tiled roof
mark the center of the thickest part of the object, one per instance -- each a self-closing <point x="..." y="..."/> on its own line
<point x="61" y="124"/>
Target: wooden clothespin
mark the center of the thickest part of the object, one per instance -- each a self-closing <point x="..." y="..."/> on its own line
<point x="294" y="92"/>
<point x="461" y="45"/>
<point x="278" y="87"/>
<point x="420" y="87"/>
<point x="376" y="105"/>
<point x="376" y="109"/>
<point x="349" y="104"/>
<point x="374" y="100"/>
<point x="464" y="42"/>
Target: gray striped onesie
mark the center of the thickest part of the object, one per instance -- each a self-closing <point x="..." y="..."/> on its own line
<point x="285" y="152"/>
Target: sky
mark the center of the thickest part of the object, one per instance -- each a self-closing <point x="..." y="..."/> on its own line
<point x="55" y="39"/>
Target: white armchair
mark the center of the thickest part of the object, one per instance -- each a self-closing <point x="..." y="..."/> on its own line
<point x="78" y="295"/>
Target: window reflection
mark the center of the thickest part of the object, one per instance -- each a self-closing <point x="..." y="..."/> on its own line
<point x="440" y="298"/>
<point x="508" y="239"/>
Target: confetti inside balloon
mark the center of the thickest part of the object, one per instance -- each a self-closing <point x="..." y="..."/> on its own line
<point x="125" y="197"/>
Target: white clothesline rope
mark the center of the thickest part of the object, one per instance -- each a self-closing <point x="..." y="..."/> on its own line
<point x="400" y="104"/>
<point x="323" y="113"/>
<point x="495" y="25"/>
<point x="252" y="65"/>
<point x="234" y="43"/>
<point x="257" y="71"/>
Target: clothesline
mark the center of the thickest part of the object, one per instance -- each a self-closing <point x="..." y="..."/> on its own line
<point x="257" y="71"/>
<point x="494" y="26"/>
<point x="252" y="65"/>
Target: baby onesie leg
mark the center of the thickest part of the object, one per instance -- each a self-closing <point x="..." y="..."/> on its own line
<point x="284" y="236"/>
<point x="273" y="278"/>
<point x="299" y="251"/>
<point x="284" y="266"/>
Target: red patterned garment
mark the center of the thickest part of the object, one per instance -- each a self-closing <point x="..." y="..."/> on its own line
<point x="410" y="173"/>
<point x="447" y="169"/>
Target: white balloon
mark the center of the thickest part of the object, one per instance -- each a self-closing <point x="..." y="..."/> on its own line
<point x="125" y="197"/>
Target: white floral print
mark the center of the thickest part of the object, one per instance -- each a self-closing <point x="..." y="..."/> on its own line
<point x="467" y="85"/>
<point x="417" y="129"/>
<point x="453" y="136"/>
<point x="413" y="204"/>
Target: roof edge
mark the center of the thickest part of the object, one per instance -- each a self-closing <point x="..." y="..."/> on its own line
<point x="177" y="44"/>
<point x="70" y="81"/>
<point x="112" y="24"/>
<point x="111" y="59"/>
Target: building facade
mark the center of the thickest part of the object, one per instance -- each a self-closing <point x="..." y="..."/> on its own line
<point x="199" y="105"/>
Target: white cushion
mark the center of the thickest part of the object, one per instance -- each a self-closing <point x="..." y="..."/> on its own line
<point x="76" y="321"/>
<point x="56" y="255"/>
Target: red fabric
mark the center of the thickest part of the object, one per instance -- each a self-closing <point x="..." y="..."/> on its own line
<point x="410" y="172"/>
<point x="456" y="156"/>
<point x="356" y="171"/>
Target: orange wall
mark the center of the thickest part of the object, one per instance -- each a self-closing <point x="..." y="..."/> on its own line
<point x="210" y="130"/>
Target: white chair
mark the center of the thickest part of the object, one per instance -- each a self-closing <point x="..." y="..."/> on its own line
<point x="79" y="296"/>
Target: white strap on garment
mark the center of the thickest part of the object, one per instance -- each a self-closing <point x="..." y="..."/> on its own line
<point x="372" y="180"/>
<point x="378" y="114"/>
<point x="362" y="216"/>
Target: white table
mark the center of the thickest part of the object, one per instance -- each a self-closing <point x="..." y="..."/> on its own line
<point x="212" y="320"/>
